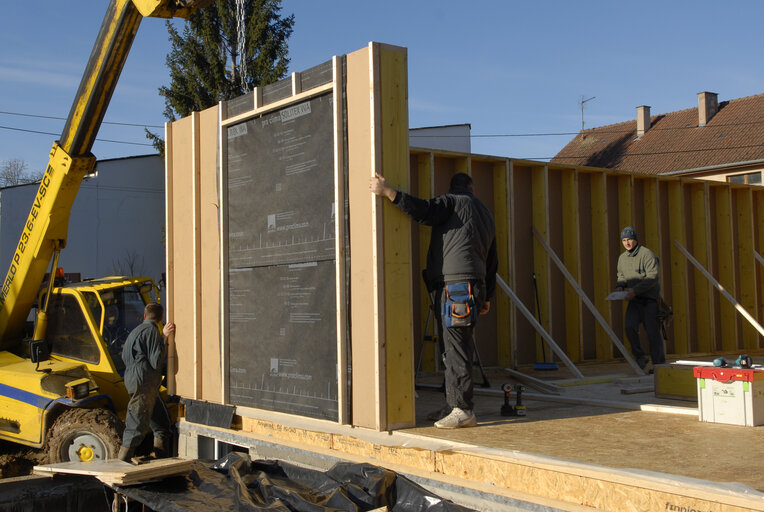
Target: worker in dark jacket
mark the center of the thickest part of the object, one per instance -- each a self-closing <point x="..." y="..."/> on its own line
<point x="638" y="274"/>
<point x="144" y="355"/>
<point x="461" y="276"/>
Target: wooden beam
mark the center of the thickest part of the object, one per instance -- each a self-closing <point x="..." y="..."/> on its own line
<point x="600" y="260"/>
<point x="589" y="304"/>
<point x="540" y="204"/>
<point x="751" y="320"/>
<point x="726" y="267"/>
<point x="536" y="325"/>
<point x="699" y="220"/>
<point x="501" y="216"/>
<point x="572" y="257"/>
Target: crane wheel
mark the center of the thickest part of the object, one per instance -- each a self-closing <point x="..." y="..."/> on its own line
<point x="84" y="435"/>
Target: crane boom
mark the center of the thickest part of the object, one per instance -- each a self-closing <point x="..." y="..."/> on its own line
<point x="45" y="230"/>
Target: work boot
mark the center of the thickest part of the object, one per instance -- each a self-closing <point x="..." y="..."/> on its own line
<point x="458" y="419"/>
<point x="125" y="454"/>
<point x="161" y="448"/>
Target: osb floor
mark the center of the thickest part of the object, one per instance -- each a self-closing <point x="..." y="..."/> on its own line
<point x="676" y="444"/>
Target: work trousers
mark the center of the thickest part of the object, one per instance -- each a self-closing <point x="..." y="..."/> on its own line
<point x="644" y="311"/>
<point x="146" y="412"/>
<point x="458" y="350"/>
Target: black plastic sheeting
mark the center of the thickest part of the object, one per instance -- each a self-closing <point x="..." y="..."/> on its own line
<point x="239" y="484"/>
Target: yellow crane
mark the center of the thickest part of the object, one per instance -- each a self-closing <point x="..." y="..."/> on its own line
<point x="64" y="389"/>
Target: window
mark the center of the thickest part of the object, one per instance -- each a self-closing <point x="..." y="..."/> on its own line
<point x="752" y="178"/>
<point x="68" y="332"/>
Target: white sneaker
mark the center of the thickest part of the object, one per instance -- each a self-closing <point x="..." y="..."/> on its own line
<point x="457" y="419"/>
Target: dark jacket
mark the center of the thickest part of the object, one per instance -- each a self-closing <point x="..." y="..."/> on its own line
<point x="144" y="354"/>
<point x="463" y="241"/>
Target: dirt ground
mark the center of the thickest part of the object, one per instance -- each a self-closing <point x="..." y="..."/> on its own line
<point x="677" y="444"/>
<point x="17" y="460"/>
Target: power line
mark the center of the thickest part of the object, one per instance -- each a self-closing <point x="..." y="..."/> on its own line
<point x="64" y="119"/>
<point x="58" y="134"/>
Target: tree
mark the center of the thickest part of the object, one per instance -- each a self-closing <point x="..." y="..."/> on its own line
<point x="208" y="64"/>
<point x="14" y="172"/>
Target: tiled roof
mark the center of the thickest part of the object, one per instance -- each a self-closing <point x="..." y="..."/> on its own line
<point x="674" y="141"/>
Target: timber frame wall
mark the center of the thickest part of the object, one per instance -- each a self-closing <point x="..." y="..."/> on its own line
<point x="577" y="211"/>
<point x="375" y="334"/>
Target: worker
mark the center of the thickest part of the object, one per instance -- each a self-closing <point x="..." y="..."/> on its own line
<point x="461" y="277"/>
<point x="144" y="355"/>
<point x="638" y="274"/>
<point x="114" y="331"/>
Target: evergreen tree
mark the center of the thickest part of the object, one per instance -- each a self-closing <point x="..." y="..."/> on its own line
<point x="205" y="63"/>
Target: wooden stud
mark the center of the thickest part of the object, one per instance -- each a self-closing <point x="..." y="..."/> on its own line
<point x="679" y="272"/>
<point x="501" y="217"/>
<point x="746" y="262"/>
<point x="699" y="206"/>
<point x="398" y="338"/>
<point x="571" y="256"/>
<point x="425" y="185"/>
<point x="172" y="356"/>
<point x="339" y="240"/>
<point x="729" y="332"/>
<point x="223" y="275"/>
<point x="601" y="269"/>
<point x="540" y="193"/>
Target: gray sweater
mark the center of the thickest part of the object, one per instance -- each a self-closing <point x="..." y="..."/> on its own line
<point x="640" y="270"/>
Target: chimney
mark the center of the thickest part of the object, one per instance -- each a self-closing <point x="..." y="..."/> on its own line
<point x="643" y="120"/>
<point x="708" y="106"/>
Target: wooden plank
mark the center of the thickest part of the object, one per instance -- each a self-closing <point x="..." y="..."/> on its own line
<point x="725" y="256"/>
<point x="172" y="354"/>
<point x="363" y="292"/>
<point x="739" y="307"/>
<point x="501" y="303"/>
<point x="574" y="284"/>
<point x="209" y="253"/>
<point x="746" y="262"/>
<point x="398" y="344"/>
<point x="600" y="261"/>
<point x="181" y="241"/>
<point x="540" y="213"/>
<point x="571" y="255"/>
<point x="223" y="275"/>
<point x="539" y="328"/>
<point x="679" y="277"/>
<point x="700" y="208"/>
<point x="196" y="259"/>
<point x="120" y="473"/>
<point x="425" y="186"/>
<point x="340" y="232"/>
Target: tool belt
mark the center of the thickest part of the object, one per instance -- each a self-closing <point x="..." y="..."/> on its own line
<point x="458" y="308"/>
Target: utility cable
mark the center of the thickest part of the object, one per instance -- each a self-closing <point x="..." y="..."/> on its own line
<point x="58" y="134"/>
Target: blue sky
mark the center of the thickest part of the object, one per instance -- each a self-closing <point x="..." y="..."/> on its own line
<point x="505" y="67"/>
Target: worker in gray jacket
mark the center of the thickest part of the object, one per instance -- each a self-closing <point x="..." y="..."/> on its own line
<point x="638" y="274"/>
<point x="144" y="355"/>
<point x="461" y="277"/>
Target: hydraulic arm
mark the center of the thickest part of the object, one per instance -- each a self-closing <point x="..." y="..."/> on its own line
<point x="45" y="230"/>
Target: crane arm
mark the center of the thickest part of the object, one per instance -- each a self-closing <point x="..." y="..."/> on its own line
<point x="45" y="230"/>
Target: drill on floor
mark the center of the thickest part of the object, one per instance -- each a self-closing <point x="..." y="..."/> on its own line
<point x="513" y="410"/>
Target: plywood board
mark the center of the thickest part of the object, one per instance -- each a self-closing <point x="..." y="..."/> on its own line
<point x="118" y="472"/>
<point x="180" y="246"/>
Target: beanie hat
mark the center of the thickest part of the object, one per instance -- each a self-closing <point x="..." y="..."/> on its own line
<point x="629" y="232"/>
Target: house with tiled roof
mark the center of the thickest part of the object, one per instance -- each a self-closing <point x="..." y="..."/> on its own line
<point x="722" y="141"/>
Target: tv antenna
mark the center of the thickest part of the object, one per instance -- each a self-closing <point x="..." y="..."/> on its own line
<point x="582" y="101"/>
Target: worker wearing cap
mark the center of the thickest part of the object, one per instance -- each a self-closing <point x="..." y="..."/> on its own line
<point x="638" y="274"/>
<point x="461" y="277"/>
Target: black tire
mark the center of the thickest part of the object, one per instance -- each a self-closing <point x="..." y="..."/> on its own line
<point x="84" y="435"/>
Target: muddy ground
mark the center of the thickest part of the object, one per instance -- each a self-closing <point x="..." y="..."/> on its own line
<point x="17" y="460"/>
